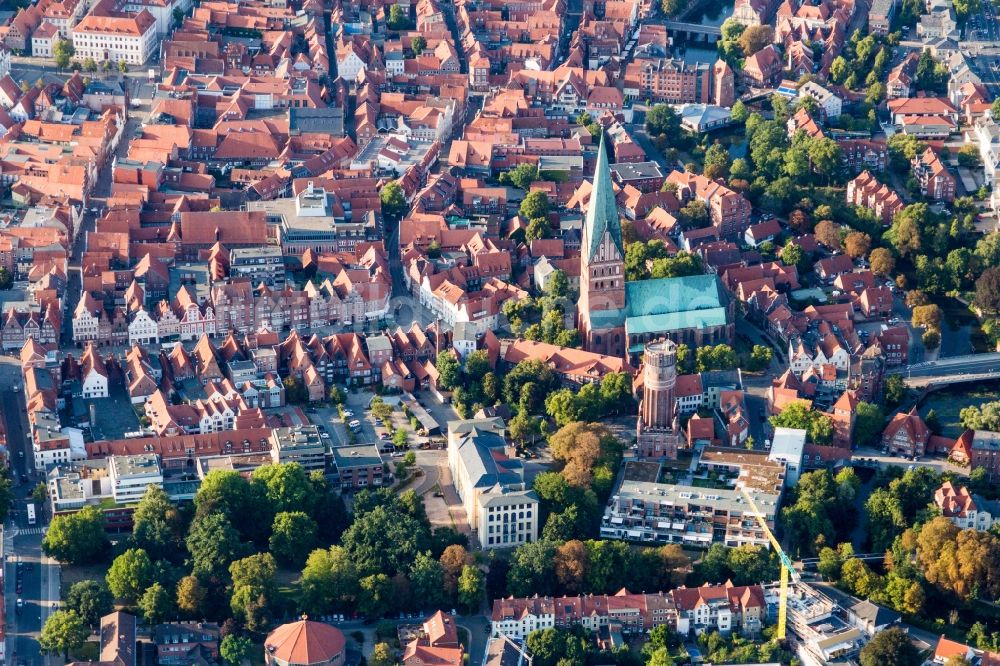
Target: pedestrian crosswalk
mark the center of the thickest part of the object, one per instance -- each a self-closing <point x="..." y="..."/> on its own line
<point x="31" y="530"/>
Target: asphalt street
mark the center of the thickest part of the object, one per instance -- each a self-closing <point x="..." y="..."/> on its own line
<point x="974" y="364"/>
<point x="39" y="576"/>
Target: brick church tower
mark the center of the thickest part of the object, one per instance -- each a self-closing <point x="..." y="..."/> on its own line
<point x="601" y="308"/>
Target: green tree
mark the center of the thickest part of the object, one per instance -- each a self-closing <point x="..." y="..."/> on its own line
<point x="243" y="504"/>
<point x="673" y="7"/>
<point x="89" y="65"/>
<point x="63" y="632"/>
<point x="693" y="215"/>
<point x="77" y="538"/>
<point x="869" y="422"/>
<point x="817" y="425"/>
<point x="386" y="539"/>
<point x="392" y="198"/>
<point x="449" y="370"/>
<point x="890" y="647"/>
<point x="792" y="254"/>
<point x="156" y="525"/>
<point x="471" y="587"/>
<point x="382" y="655"/>
<point x="418" y="44"/>
<point x="254" y="588"/>
<point x="375" y="596"/>
<point x="286" y="486"/>
<point x="895" y="390"/>
<point x="130" y="574"/>
<point x="522" y="176"/>
<point x="760" y="358"/>
<point x="717" y="157"/>
<point x="662" y="119"/>
<point x="191" y="596"/>
<point x="329" y="580"/>
<point x="156" y="604"/>
<point x="755" y="38"/>
<point x="397" y="19"/>
<point x="293" y="537"/>
<point x="968" y="156"/>
<point x="90" y="599"/>
<point x="122" y="66"/>
<point x="739" y="113"/>
<point x="427" y="580"/>
<point x="534" y="205"/>
<point x="6" y="279"/>
<point x="235" y="649"/>
<point x="885" y="518"/>
<point x="213" y="544"/>
<point x="63" y="52"/>
<point x="538" y="228"/>
<point x="531" y="569"/>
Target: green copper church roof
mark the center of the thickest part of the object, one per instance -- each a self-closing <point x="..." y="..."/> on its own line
<point x="670" y="304"/>
<point x="602" y="211"/>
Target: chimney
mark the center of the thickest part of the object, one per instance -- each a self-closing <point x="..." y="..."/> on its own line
<point x="93" y="415"/>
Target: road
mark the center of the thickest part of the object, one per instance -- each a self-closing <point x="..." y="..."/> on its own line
<point x="40" y="576"/>
<point x="971" y="364"/>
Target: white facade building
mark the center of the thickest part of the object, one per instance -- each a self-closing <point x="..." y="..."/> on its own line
<point x="132" y="38"/>
<point x="497" y="502"/>
<point x="830" y="103"/>
<point x="131" y="474"/>
<point x="143" y="330"/>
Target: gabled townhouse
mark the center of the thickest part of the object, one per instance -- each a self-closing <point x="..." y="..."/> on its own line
<point x="93" y="374"/>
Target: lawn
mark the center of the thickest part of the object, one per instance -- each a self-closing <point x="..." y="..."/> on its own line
<point x="70" y="574"/>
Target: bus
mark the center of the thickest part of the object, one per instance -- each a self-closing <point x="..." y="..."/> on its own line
<point x="31" y="513"/>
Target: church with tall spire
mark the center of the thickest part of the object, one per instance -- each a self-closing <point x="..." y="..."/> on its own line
<point x="602" y="268"/>
<point x="618" y="318"/>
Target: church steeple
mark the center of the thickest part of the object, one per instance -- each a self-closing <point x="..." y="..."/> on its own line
<point x="602" y="211"/>
<point x="601" y="308"/>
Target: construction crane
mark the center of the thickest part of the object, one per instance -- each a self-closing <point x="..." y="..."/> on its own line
<point x="787" y="570"/>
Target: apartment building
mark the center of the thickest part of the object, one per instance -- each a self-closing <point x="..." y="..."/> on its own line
<point x="867" y="192"/>
<point x="724" y="608"/>
<point x="301" y="444"/>
<point x="642" y="509"/>
<point x="262" y="264"/>
<point x="632" y="613"/>
<point x="936" y="182"/>
<point x="829" y="103"/>
<point x="880" y="16"/>
<point x="728" y="210"/>
<point x="668" y="80"/>
<point x="130" y="475"/>
<point x="574" y="367"/>
<point x="358" y="466"/>
<point x="491" y="484"/>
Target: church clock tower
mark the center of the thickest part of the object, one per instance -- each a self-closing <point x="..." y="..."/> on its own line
<point x="601" y="309"/>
